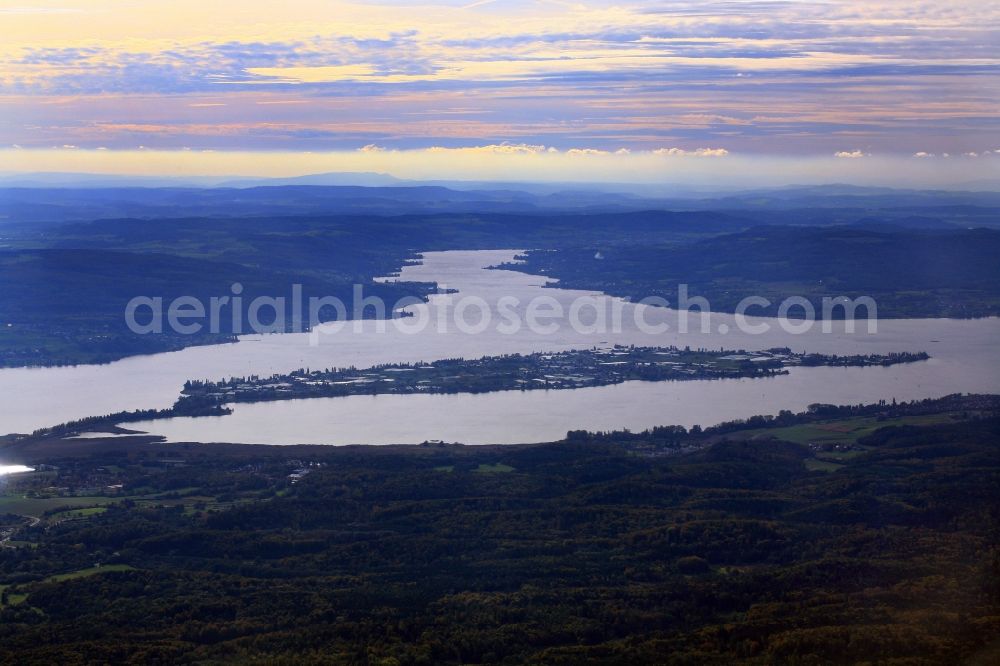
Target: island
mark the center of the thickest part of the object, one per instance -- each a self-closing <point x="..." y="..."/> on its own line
<point x="597" y="366"/>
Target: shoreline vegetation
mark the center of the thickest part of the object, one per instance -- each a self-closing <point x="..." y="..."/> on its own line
<point x="598" y="366"/>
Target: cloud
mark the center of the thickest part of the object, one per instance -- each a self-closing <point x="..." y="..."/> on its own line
<point x="737" y="171"/>
<point x="922" y="155"/>
<point x="761" y="77"/>
<point x="495" y="149"/>
<point x="531" y="149"/>
<point x="39" y="10"/>
<point x="478" y="3"/>
<point x="371" y="148"/>
<point x="851" y="155"/>
<point x="698" y="152"/>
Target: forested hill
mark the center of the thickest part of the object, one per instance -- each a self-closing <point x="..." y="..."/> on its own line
<point x="339" y="236"/>
<point x="66" y="286"/>
<point x="910" y="273"/>
<point x="862" y="536"/>
<point x="67" y="306"/>
<point x="95" y="198"/>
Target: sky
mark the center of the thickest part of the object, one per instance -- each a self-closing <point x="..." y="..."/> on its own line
<point x="735" y="91"/>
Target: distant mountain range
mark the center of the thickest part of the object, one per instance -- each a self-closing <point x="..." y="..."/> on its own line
<point x="72" y="197"/>
<point x="373" y="179"/>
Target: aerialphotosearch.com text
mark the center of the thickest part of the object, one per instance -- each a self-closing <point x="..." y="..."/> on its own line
<point x="507" y="315"/>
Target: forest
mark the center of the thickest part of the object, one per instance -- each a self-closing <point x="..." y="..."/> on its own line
<point x="908" y="272"/>
<point x="846" y="534"/>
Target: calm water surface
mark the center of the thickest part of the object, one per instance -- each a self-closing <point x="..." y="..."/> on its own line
<point x="966" y="358"/>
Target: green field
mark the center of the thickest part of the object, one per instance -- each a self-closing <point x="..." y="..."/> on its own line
<point x="498" y="468"/>
<point x="87" y="507"/>
<point x="37" y="506"/>
<point x="14" y="543"/>
<point x="78" y="513"/>
<point x="844" y="431"/>
<point x="817" y="465"/>
<point x="12" y="598"/>
<point x="15" y="598"/>
<point x="92" y="571"/>
<point x="841" y="431"/>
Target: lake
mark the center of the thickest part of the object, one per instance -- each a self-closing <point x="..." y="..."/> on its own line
<point x="966" y="358"/>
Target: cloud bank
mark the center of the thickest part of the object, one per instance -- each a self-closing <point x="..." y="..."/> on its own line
<point x="586" y="79"/>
